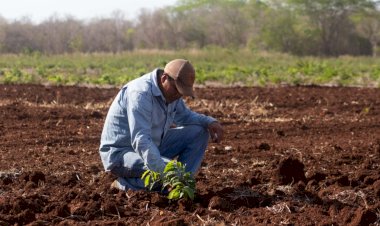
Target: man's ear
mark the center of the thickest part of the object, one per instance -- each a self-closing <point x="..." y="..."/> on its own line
<point x="164" y="77"/>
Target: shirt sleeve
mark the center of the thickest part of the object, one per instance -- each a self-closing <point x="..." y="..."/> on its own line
<point x="185" y="116"/>
<point x="140" y="125"/>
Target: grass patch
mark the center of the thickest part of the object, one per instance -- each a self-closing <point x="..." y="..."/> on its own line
<point x="223" y="66"/>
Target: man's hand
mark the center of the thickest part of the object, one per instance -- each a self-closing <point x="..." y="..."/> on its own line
<point x="216" y="132"/>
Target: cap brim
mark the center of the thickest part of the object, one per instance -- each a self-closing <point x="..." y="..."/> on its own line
<point x="185" y="90"/>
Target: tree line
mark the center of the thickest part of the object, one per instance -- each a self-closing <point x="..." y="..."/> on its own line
<point x="300" y="27"/>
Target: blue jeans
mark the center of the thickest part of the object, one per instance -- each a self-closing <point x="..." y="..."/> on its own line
<point x="187" y="144"/>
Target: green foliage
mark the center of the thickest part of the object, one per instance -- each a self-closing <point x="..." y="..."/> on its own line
<point x="57" y="79"/>
<point x="213" y="65"/>
<point x="175" y="179"/>
<point x="16" y="76"/>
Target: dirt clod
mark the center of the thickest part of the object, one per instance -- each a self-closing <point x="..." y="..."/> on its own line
<point x="290" y="170"/>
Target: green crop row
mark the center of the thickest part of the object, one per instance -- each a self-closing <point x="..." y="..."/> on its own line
<point x="213" y="65"/>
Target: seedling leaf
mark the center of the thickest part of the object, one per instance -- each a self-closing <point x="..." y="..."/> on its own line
<point x="189" y="192"/>
<point x="174" y="177"/>
<point x="147" y="180"/>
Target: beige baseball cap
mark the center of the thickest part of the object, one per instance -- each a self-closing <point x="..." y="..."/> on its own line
<point x="184" y="75"/>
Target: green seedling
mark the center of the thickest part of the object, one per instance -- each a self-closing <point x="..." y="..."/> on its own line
<point x="179" y="183"/>
<point x="151" y="179"/>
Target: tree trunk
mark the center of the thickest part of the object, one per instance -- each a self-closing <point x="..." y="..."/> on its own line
<point x="374" y="49"/>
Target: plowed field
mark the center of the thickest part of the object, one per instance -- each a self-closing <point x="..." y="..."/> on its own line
<point x="291" y="156"/>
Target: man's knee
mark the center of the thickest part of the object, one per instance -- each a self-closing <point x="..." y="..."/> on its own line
<point x="197" y="131"/>
<point x="197" y="137"/>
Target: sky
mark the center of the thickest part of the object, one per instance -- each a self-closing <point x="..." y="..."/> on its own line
<point x="39" y="10"/>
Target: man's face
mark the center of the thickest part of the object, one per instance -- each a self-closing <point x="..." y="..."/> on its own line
<point x="171" y="92"/>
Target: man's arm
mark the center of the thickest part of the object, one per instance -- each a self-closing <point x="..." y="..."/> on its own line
<point x="186" y="116"/>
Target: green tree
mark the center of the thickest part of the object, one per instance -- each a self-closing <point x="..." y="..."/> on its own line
<point x="213" y="22"/>
<point x="368" y="25"/>
<point x="331" y="20"/>
<point x="278" y="33"/>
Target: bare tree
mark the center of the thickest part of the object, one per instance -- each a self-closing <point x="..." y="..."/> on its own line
<point x="19" y="37"/>
<point x="155" y="30"/>
<point x="3" y="25"/>
<point x="108" y="34"/>
<point x="60" y="35"/>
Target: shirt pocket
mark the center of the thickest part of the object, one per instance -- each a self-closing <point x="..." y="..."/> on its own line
<point x="172" y="114"/>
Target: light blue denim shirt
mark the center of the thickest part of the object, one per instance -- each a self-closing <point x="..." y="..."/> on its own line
<point x="138" y="120"/>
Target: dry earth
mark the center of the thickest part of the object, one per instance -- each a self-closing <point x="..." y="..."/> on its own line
<point x="292" y="156"/>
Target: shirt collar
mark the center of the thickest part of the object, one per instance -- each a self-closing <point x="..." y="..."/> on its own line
<point x="155" y="88"/>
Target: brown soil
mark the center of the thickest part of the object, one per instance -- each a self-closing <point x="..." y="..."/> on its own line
<point x="292" y="156"/>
